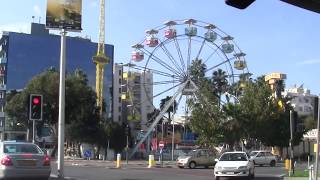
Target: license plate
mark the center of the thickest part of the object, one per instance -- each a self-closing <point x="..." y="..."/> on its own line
<point x="27" y="163"/>
<point x="230" y="172"/>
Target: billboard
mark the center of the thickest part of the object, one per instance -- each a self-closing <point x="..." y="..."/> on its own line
<point x="64" y="14"/>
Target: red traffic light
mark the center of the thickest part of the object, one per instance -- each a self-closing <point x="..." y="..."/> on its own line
<point x="36" y="100"/>
<point x="35" y="107"/>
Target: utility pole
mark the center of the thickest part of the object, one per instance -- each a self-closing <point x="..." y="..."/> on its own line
<point x="317" y="150"/>
<point x="127" y="147"/>
<point x="61" y="122"/>
<point x="291" y="145"/>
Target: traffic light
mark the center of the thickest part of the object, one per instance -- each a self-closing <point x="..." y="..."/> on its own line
<point x="35" y="107"/>
<point x="240" y="4"/>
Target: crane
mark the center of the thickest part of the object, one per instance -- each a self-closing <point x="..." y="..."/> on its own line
<point x="100" y="59"/>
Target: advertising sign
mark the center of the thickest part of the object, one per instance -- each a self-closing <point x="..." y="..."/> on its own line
<point x="64" y="14"/>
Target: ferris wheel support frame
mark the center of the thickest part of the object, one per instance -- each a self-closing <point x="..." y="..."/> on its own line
<point x="161" y="114"/>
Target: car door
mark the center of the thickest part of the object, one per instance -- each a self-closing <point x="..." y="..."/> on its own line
<point x="269" y="157"/>
<point x="211" y="158"/>
<point x="205" y="158"/>
<point x="260" y="158"/>
<point x="201" y="156"/>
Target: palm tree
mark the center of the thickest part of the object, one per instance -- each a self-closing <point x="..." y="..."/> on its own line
<point x="197" y="70"/>
<point x="171" y="109"/>
<point x="219" y="82"/>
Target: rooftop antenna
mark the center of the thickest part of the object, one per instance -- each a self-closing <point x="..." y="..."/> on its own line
<point x="32" y="19"/>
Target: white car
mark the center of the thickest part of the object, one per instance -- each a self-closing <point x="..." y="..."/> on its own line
<point x="234" y="164"/>
<point x="263" y="158"/>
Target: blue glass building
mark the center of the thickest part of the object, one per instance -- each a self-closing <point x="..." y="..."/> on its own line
<point x="23" y="56"/>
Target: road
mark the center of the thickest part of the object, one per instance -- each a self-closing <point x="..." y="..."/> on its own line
<point x="143" y="173"/>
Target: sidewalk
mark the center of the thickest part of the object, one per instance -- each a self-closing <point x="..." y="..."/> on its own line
<point x="112" y="164"/>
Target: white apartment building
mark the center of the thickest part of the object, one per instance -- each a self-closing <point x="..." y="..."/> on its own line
<point x="132" y="97"/>
<point x="304" y="103"/>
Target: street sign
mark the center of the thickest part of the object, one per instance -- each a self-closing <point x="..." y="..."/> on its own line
<point x="161" y="144"/>
<point x="87" y="153"/>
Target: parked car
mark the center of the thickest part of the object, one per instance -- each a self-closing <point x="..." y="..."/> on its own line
<point x="197" y="157"/>
<point x="234" y="164"/>
<point x="263" y="158"/>
<point x="23" y="160"/>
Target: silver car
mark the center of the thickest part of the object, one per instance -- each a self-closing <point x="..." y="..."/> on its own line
<point x="23" y="160"/>
<point x="197" y="157"/>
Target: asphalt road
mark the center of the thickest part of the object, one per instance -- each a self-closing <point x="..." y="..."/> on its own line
<point x="103" y="173"/>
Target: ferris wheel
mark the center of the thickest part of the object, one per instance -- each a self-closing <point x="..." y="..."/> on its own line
<point x="165" y="59"/>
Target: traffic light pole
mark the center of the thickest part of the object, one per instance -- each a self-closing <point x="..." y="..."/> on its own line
<point x="61" y="106"/>
<point x="33" y="131"/>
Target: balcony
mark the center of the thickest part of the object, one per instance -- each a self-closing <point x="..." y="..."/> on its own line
<point x="3" y="60"/>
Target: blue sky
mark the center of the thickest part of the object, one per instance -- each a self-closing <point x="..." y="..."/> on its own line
<point x="277" y="37"/>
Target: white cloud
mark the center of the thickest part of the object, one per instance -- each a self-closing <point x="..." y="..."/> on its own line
<point x="309" y="62"/>
<point x="16" y="27"/>
<point x="37" y="10"/>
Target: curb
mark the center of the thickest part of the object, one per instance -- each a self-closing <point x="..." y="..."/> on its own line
<point x="56" y="177"/>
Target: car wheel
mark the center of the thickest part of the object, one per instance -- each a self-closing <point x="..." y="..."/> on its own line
<point x="273" y="163"/>
<point x="216" y="177"/>
<point x="192" y="165"/>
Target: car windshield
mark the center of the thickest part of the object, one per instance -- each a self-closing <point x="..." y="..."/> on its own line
<point x="193" y="153"/>
<point x="21" y="148"/>
<point x="233" y="157"/>
<point x="253" y="153"/>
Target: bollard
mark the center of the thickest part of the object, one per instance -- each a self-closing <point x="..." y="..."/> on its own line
<point x="151" y="161"/>
<point x="118" y="163"/>
<point x="311" y="174"/>
<point x="287" y="164"/>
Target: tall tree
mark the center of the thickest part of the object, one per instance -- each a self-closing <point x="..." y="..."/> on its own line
<point x="81" y="110"/>
<point x="197" y="71"/>
<point x="219" y="82"/>
<point x="172" y="108"/>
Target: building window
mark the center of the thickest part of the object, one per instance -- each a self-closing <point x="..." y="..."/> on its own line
<point x="119" y="118"/>
<point x="119" y="90"/>
<point x="120" y="73"/>
<point x="1" y="95"/>
<point x="300" y="108"/>
<point x="119" y="108"/>
<point x="306" y="100"/>
<point x="307" y="109"/>
<point x="119" y="99"/>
